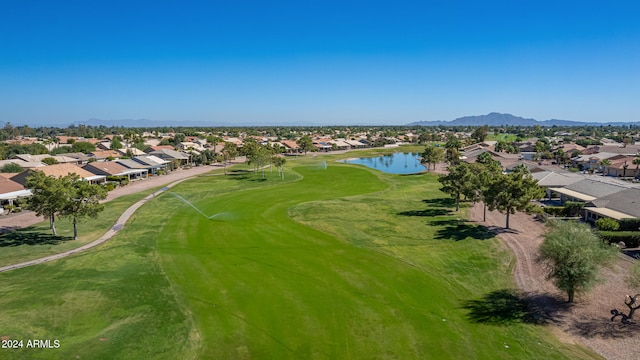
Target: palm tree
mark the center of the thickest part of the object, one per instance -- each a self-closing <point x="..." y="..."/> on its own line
<point x="636" y="161"/>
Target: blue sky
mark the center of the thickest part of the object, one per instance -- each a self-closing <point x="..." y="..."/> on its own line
<point x="318" y="62"/>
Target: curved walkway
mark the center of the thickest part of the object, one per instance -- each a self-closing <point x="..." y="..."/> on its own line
<point x="119" y="225"/>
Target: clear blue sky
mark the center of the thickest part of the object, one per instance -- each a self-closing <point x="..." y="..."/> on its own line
<point x="319" y="62"/>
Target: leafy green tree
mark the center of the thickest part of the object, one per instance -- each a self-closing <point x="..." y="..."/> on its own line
<point x="178" y="138"/>
<point x="480" y="134"/>
<point x="432" y="155"/>
<point x="513" y="192"/>
<point x="560" y="156"/>
<point x="486" y="170"/>
<point x="116" y="143"/>
<point x="604" y="163"/>
<point x="230" y="151"/>
<point x="259" y="158"/>
<point x="83" y="147"/>
<point x="573" y="255"/>
<point x="305" y="143"/>
<point x="11" y="168"/>
<point x="458" y="182"/>
<point x="49" y="196"/>
<point x="452" y="149"/>
<point x="83" y="199"/>
<point x="279" y="162"/>
<point x="49" y="161"/>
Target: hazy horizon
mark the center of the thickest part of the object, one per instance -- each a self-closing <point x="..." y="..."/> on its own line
<point x="321" y="63"/>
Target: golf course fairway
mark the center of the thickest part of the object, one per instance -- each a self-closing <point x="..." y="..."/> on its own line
<point x="335" y="262"/>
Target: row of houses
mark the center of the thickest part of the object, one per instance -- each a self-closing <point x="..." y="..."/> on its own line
<point x="12" y="185"/>
<point x="603" y="196"/>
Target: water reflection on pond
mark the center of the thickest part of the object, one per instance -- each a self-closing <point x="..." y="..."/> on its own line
<point x="396" y="163"/>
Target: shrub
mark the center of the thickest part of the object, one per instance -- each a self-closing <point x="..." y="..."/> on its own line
<point x="630" y="225"/>
<point x="630" y="238"/>
<point x="607" y="224"/>
<point x="573" y="208"/>
<point x="555" y="210"/>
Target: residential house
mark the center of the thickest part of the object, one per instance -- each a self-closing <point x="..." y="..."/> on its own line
<point x="60" y="170"/>
<point x="104" y="155"/>
<point x="340" y="144"/>
<point x="589" y="189"/>
<point x="130" y="152"/>
<point x="61" y="159"/>
<point x="152" y="163"/>
<point x="178" y="158"/>
<point x="113" y="168"/>
<point x="592" y="161"/>
<point x="10" y="191"/>
<point x="23" y="164"/>
<point x="151" y="149"/>
<point x="291" y="146"/>
<point x="619" y="205"/>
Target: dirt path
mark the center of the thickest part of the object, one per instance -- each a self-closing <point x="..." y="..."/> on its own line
<point x="587" y="321"/>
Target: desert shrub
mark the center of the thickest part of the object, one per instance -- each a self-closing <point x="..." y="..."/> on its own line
<point x="607" y="224"/>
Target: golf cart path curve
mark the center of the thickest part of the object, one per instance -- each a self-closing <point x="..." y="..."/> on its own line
<point x="119" y="225"/>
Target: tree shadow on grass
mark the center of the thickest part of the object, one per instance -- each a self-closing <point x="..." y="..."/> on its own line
<point x="441" y="202"/>
<point x="426" y="212"/>
<point x="506" y="306"/>
<point x="459" y="230"/>
<point x="30" y="236"/>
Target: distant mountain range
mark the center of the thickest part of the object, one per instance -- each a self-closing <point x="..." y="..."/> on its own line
<point x="492" y="119"/>
<point x="498" y="119"/>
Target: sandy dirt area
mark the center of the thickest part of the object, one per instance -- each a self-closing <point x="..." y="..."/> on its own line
<point x="588" y="320"/>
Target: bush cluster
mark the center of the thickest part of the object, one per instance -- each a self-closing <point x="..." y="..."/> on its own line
<point x="607" y="224"/>
<point x="630" y="238"/>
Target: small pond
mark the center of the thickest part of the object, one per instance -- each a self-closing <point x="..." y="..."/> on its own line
<point x="396" y="163"/>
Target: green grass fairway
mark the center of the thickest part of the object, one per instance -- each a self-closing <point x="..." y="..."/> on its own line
<point x="502" y="137"/>
<point x="335" y="263"/>
<point x="36" y="241"/>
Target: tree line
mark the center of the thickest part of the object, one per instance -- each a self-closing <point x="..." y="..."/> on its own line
<point x="571" y="252"/>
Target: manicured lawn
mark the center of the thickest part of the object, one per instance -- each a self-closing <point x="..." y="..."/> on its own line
<point x="503" y="137"/>
<point x="37" y="241"/>
<point x="332" y="263"/>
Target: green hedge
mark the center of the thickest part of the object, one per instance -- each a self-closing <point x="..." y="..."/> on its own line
<point x="573" y="208"/>
<point x="555" y="210"/>
<point x="630" y="238"/>
<point x="630" y="225"/>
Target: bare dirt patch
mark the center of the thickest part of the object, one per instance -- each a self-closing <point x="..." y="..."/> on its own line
<point x="588" y="321"/>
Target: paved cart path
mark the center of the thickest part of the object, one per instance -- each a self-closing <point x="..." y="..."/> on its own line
<point x="21" y="220"/>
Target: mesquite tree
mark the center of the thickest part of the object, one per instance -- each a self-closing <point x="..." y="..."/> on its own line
<point x="573" y="255"/>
